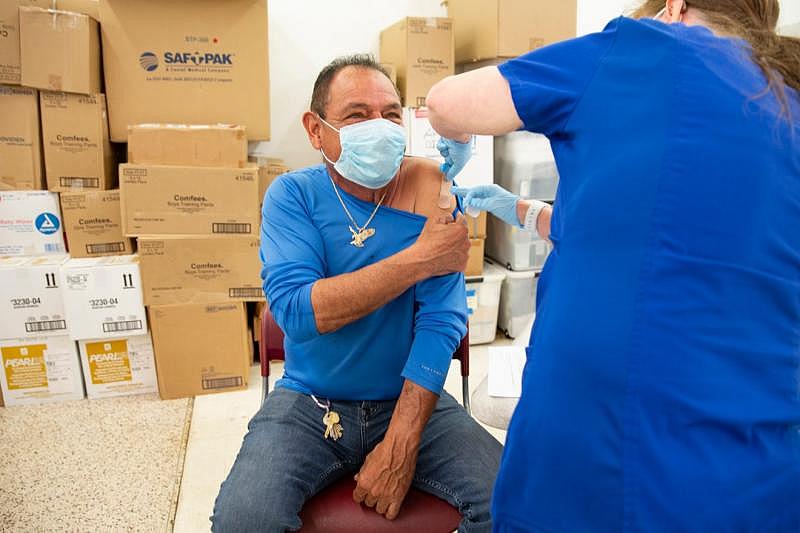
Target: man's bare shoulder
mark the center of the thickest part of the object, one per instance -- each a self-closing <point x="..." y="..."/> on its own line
<point x="423" y="181"/>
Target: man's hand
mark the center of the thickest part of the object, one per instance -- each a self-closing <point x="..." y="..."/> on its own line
<point x="386" y="475"/>
<point x="443" y="245"/>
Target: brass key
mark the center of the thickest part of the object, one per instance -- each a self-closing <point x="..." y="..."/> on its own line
<point x="333" y="428"/>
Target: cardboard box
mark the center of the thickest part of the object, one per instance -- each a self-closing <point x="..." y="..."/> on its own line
<point x="476" y="225"/>
<point x="9" y="30"/>
<point x="182" y="270"/>
<point x="508" y="28"/>
<point x="200" y="349"/>
<point x="267" y="175"/>
<point x="118" y="367"/>
<point x="59" y="50"/>
<point x="422" y="139"/>
<point x="77" y="150"/>
<point x="30" y="223"/>
<point x="40" y="370"/>
<point x="20" y="139"/>
<point x="93" y="224"/>
<point x="219" y="145"/>
<point x="422" y="51"/>
<point x="475" y="261"/>
<point x="186" y="62"/>
<point x="173" y="200"/>
<point x="103" y="297"/>
<point x="31" y="299"/>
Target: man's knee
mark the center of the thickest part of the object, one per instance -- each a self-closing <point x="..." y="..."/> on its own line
<point x="235" y="511"/>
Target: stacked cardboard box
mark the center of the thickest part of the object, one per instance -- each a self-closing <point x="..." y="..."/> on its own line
<point x="191" y="198"/>
<point x="269" y="169"/>
<point x="20" y="139"/>
<point x="40" y="361"/>
<point x="422" y="52"/>
<point x="30" y="223"/>
<point x="93" y="224"/>
<point x="186" y="62"/>
<point x="486" y="30"/>
<point x="77" y="150"/>
<point x="106" y="315"/>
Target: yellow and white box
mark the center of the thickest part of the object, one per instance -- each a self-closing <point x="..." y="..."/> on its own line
<point x="40" y="370"/>
<point x="31" y="303"/>
<point x="30" y="223"/>
<point x="118" y="367"/>
<point x="103" y="297"/>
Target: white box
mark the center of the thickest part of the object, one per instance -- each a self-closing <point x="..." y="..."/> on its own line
<point x="40" y="370"/>
<point x="103" y="297"/>
<point x="422" y="139"/>
<point x="517" y="301"/>
<point x="515" y="248"/>
<point x="31" y="303"/>
<point x="483" y="304"/>
<point x="118" y="367"/>
<point x="524" y="164"/>
<point x="30" y="223"/>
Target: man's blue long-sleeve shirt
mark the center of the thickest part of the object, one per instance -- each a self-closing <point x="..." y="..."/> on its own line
<point x="305" y="238"/>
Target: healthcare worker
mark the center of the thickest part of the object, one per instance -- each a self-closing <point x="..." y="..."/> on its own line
<point x="661" y="387"/>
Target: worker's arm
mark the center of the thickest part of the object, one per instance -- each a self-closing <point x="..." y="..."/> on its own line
<point x="537" y="91"/>
<point x="439" y="325"/>
<point x="542" y="223"/>
<point x="305" y="303"/>
<point x="476" y="102"/>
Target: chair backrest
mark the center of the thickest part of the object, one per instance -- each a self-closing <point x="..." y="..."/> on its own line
<point x="271" y="346"/>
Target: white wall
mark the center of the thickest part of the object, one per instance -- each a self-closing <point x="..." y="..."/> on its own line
<point x="304" y="35"/>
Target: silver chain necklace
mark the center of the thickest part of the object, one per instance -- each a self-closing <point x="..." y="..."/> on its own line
<point x="360" y="234"/>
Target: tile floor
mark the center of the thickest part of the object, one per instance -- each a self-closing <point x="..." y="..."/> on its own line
<point x="220" y="421"/>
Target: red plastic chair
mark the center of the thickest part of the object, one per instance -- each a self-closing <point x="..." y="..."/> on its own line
<point x="333" y="510"/>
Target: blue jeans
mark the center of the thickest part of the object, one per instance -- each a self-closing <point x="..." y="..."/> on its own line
<point x="284" y="460"/>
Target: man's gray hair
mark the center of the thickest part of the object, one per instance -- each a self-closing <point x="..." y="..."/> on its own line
<point x="319" y="97"/>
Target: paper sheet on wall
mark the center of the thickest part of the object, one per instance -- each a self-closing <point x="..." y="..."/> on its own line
<point x="505" y="371"/>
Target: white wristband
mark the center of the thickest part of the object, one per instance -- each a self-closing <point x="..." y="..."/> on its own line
<point x="532" y="216"/>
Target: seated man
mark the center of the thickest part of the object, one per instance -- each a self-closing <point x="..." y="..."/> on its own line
<point x="361" y="271"/>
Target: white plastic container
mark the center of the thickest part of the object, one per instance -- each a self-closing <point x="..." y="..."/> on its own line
<point x="483" y="304"/>
<point x="524" y="164"/>
<point x="517" y="302"/>
<point x="515" y="248"/>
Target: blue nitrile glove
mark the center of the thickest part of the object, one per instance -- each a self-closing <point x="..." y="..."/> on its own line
<point x="492" y="198"/>
<point x="455" y="155"/>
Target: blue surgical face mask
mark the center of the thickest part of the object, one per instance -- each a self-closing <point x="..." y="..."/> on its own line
<point x="372" y="151"/>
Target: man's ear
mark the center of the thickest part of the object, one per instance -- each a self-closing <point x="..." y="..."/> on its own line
<point x="312" y="125"/>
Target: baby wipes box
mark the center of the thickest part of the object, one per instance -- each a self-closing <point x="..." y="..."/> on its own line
<point x="30" y="223"/>
<point x="40" y="370"/>
<point x="118" y="367"/>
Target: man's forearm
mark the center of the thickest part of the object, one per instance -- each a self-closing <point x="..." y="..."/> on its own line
<point x="411" y="413"/>
<point x="343" y="299"/>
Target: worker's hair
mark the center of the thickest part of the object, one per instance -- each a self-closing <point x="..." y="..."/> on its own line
<point x="319" y="97"/>
<point x="754" y="21"/>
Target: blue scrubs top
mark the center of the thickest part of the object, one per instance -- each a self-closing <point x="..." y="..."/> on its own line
<point x="661" y="387"/>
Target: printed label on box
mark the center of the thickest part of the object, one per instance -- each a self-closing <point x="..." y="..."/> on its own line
<point x="25" y="367"/>
<point x="109" y="361"/>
